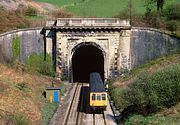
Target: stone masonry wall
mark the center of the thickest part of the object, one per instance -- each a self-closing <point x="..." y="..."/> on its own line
<point x="31" y="41"/>
<point x="122" y="50"/>
<point x="66" y="42"/>
<point x="148" y="44"/>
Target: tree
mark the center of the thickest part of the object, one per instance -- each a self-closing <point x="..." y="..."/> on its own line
<point x="159" y="4"/>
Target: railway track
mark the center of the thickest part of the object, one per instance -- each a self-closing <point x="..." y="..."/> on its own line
<point x="79" y="112"/>
<point x="74" y="115"/>
<point x="99" y="119"/>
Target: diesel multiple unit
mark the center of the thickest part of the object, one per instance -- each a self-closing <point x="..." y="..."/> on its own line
<point x="98" y="94"/>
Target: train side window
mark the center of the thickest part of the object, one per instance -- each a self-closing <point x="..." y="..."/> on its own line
<point x="93" y="96"/>
<point x="98" y="97"/>
<point x="103" y="97"/>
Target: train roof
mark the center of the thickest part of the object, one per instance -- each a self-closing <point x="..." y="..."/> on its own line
<point x="96" y="84"/>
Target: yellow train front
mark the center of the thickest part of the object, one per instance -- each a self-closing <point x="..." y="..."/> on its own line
<point x="98" y="94"/>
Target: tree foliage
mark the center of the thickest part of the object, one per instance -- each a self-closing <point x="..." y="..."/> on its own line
<point x="150" y="92"/>
<point x="159" y="4"/>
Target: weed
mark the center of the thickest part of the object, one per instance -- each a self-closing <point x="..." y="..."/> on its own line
<point x="61" y="14"/>
<point x="172" y="11"/>
<point x="171" y="25"/>
<point x="151" y="91"/>
<point x="17" y="119"/>
<point x="35" y="63"/>
<point x="22" y="86"/>
<point x="16" y="48"/>
<point x="47" y="112"/>
<point x="31" y="11"/>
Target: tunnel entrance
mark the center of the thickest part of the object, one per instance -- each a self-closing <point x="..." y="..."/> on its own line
<point x="87" y="59"/>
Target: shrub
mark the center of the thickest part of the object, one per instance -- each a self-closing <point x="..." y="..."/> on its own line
<point x="17" y="119"/>
<point x="36" y="63"/>
<point x="172" y="12"/>
<point x="171" y="25"/>
<point x="11" y="20"/>
<point x="151" y="92"/>
<point x="124" y="14"/>
<point x="116" y="95"/>
<point x="31" y="11"/>
<point x="152" y="19"/>
<point x="61" y="14"/>
<point x="22" y="86"/>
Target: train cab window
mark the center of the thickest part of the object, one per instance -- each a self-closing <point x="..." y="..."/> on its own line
<point x="103" y="97"/>
<point x="98" y="97"/>
<point x="93" y="96"/>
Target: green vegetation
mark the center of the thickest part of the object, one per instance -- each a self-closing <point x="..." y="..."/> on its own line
<point x="16" y="47"/>
<point x="22" y="86"/>
<point x="150" y="88"/>
<point x="36" y="63"/>
<point x="151" y="91"/>
<point x="153" y="120"/>
<point x="144" y="13"/>
<point x="61" y="14"/>
<point x="171" y="25"/>
<point x="12" y="20"/>
<point x="22" y="92"/>
<point x="47" y="111"/>
<point x="31" y="11"/>
<point x="151" y="65"/>
<point x="97" y="8"/>
<point x="17" y="119"/>
<point x="172" y="11"/>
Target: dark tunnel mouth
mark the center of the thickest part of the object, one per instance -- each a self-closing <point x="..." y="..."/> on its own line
<point x="87" y="59"/>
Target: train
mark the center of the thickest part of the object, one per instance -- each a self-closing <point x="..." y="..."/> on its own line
<point x="98" y="93"/>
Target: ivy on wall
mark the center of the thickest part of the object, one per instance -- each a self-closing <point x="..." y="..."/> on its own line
<point x="16" y="47"/>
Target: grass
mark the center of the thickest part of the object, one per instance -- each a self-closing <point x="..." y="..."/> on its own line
<point x="12" y="20"/>
<point x="151" y="90"/>
<point x="153" y="120"/>
<point x="35" y="63"/>
<point x="17" y="119"/>
<point x="47" y="111"/>
<point x="151" y="66"/>
<point x="99" y="8"/>
<point x="22" y="86"/>
<point x="35" y="17"/>
<point x="21" y="92"/>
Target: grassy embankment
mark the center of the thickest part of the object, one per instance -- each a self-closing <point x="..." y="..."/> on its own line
<point x="28" y="17"/>
<point x="169" y="19"/>
<point x="20" y="18"/>
<point x="21" y="88"/>
<point x="99" y="8"/>
<point x="149" y="94"/>
<point x="21" y="99"/>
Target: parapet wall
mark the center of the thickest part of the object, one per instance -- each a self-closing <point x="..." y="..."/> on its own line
<point x="31" y="41"/>
<point x="149" y="43"/>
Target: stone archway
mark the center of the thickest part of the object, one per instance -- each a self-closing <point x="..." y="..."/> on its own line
<point x="87" y="57"/>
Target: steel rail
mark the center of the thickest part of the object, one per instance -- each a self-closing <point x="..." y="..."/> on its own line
<point x="67" y="117"/>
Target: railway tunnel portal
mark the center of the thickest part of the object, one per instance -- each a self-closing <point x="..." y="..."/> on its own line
<point x="87" y="58"/>
<point x="80" y="46"/>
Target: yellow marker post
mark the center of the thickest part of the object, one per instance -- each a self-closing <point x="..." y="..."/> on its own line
<point x="51" y="98"/>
